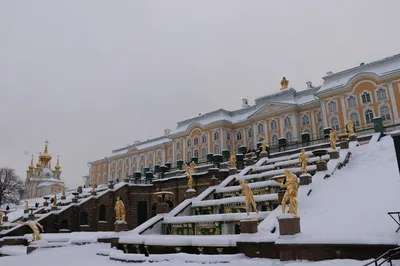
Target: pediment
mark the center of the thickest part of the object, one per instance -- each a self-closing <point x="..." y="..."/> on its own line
<point x="272" y="108"/>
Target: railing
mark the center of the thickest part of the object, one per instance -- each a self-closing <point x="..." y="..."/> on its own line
<point x="387" y="257"/>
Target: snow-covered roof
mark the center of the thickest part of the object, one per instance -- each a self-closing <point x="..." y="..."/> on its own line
<point x="381" y="67"/>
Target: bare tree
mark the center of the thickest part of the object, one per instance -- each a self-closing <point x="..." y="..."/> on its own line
<point x="10" y="186"/>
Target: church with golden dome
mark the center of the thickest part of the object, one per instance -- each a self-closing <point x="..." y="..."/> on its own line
<point x="42" y="180"/>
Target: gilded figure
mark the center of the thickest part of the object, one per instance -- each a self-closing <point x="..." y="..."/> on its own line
<point x="55" y="200"/>
<point x="35" y="229"/>
<point x="1" y="217"/>
<point x="189" y="172"/>
<point x="63" y="191"/>
<point x="292" y="187"/>
<point x="233" y="161"/>
<point x="333" y="137"/>
<point x="264" y="146"/>
<point x="26" y="205"/>
<point x="350" y="126"/>
<point x="303" y="158"/>
<point x="284" y="83"/>
<point x="119" y="210"/>
<point x="248" y="194"/>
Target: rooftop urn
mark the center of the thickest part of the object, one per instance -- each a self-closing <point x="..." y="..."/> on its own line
<point x="149" y="176"/>
<point x="327" y="130"/>
<point x="168" y="165"/>
<point x="282" y="142"/>
<point x="146" y="169"/>
<point x="156" y="168"/>
<point x="243" y="149"/>
<point x="320" y="153"/>
<point x="378" y="124"/>
<point x="163" y="170"/>
<point x="137" y="175"/>
<point x="80" y="189"/>
<point x="239" y="157"/>
<point x="210" y="157"/>
<point x="305" y="137"/>
<point x="226" y="154"/>
<point x="217" y="159"/>
<point x="195" y="160"/>
<point x="179" y="164"/>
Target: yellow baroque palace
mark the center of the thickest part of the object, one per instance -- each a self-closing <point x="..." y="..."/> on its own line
<point x="360" y="94"/>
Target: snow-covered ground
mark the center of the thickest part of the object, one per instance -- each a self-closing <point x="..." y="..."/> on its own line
<point x="86" y="255"/>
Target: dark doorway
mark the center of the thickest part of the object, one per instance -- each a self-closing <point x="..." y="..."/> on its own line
<point x="141" y="212"/>
<point x="64" y="226"/>
<point x="102" y="213"/>
<point x="83" y="219"/>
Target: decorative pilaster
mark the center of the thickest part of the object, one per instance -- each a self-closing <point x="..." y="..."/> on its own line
<point x="323" y="114"/>
<point x="393" y="102"/>
<point x="313" y="124"/>
<point x="295" y="126"/>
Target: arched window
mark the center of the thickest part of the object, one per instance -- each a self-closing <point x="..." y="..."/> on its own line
<point x="216" y="149"/>
<point x="64" y="225"/>
<point x="274" y="125"/>
<point x="250" y="133"/>
<point x="178" y="145"/>
<point x="307" y="131"/>
<point x="228" y="135"/>
<point x="289" y="137"/>
<point x="189" y="142"/>
<point x="385" y="113"/>
<point x="150" y="156"/>
<point x="381" y="94"/>
<point x="159" y="154"/>
<point x="203" y="153"/>
<point x="355" y="119"/>
<point x="188" y="156"/>
<point x="335" y="124"/>
<point x="228" y="147"/>
<point x="238" y="135"/>
<point x="319" y="116"/>
<point x="369" y="115"/>
<point x="321" y="132"/>
<point x="332" y="106"/>
<point x="203" y="139"/>
<point x="150" y="166"/>
<point x="102" y="212"/>
<point x="83" y="218"/>
<point x="170" y="151"/>
<point x="366" y="97"/>
<point x="216" y="135"/>
<point x="142" y="157"/>
<point x="287" y="122"/>
<point x="196" y="153"/>
<point x="274" y="140"/>
<point x="352" y="101"/>
<point x="260" y="128"/>
<point x="178" y="156"/>
<point x="196" y="141"/>
<point x="306" y="120"/>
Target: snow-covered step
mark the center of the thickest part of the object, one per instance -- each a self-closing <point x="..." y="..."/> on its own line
<point x="13" y="250"/>
<point x="217" y="202"/>
<point x="231" y="217"/>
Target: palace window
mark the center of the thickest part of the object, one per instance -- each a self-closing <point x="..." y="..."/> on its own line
<point x="335" y="124"/>
<point x="289" y="137"/>
<point x="196" y="153"/>
<point x="188" y="156"/>
<point x="203" y="139"/>
<point x="189" y="142"/>
<point x="228" y="135"/>
<point x="216" y="149"/>
<point x="381" y="94"/>
<point x="332" y="107"/>
<point x="238" y="135"/>
<point x="170" y="151"/>
<point x="178" y="156"/>
<point x="228" y="147"/>
<point x="150" y="156"/>
<point x="306" y="120"/>
<point x="250" y="133"/>
<point x="260" y="128"/>
<point x="385" y="113"/>
<point x="319" y="116"/>
<point x="366" y="97"/>
<point x="352" y="101"/>
<point x="287" y="122"/>
<point x="274" y="125"/>
<point x="203" y="153"/>
<point x="321" y="132"/>
<point x="142" y="157"/>
<point x="355" y="119"/>
<point x="178" y="145"/>
<point x="159" y="154"/>
<point x="369" y="115"/>
<point x="216" y="135"/>
<point x="274" y="140"/>
<point x="196" y="141"/>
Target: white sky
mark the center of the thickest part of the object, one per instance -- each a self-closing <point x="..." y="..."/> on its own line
<point x="92" y="76"/>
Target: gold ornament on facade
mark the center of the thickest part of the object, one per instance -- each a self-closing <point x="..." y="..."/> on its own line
<point x="189" y="172"/>
<point x="31" y="166"/>
<point x="63" y="191"/>
<point x="119" y="210"/>
<point x="55" y="200"/>
<point x="303" y="158"/>
<point x="333" y="137"/>
<point x="26" y="205"/>
<point x="58" y="167"/>
<point x="45" y="157"/>
<point x="284" y="83"/>
<point x="38" y="164"/>
<point x="233" y="161"/>
<point x="35" y="228"/>
<point x="350" y="127"/>
<point x="249" y="199"/>
<point x="263" y="146"/>
<point x="292" y="187"/>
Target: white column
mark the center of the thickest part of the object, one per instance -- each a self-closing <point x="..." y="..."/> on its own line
<point x="323" y="114"/>
<point x="255" y="133"/>
<point x="244" y="136"/>
<point x="344" y="112"/>
<point x="163" y="155"/>
<point x="183" y="143"/>
<point x="222" y="138"/>
<point x="296" y="125"/>
<point x="209" y="141"/>
<point x="173" y="152"/>
<point x="266" y="130"/>
<point x="393" y="102"/>
<point x="281" y="123"/>
<point x="313" y="125"/>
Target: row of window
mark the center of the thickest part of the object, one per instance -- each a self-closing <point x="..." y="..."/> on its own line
<point x="365" y="99"/>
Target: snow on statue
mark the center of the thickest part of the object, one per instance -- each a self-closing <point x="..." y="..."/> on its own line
<point x="291" y="193"/>
<point x="35" y="228"/>
<point x="249" y="199"/>
<point x="119" y="210"/>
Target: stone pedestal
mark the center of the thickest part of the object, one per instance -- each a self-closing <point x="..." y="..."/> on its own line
<point x="305" y="179"/>
<point x="162" y="207"/>
<point x="45" y="204"/>
<point x="213" y="181"/>
<point x="190" y="193"/>
<point x="289" y="224"/>
<point x="74" y="200"/>
<point x="31" y="217"/>
<point x="126" y="180"/>
<point x="120" y="226"/>
<point x="334" y="155"/>
<point x="111" y="186"/>
<point x="233" y="171"/>
<point x="264" y="154"/>
<point x="353" y="137"/>
<point x="5" y="218"/>
<point x="249" y="162"/>
<point x="321" y="166"/>
<point x="280" y="196"/>
<point x="63" y="197"/>
<point x="344" y="144"/>
<point x="248" y="226"/>
<point x="94" y="193"/>
<point x="54" y="208"/>
<point x="26" y="211"/>
<point x="80" y="190"/>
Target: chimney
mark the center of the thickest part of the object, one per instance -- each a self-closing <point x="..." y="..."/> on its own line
<point x="329" y="73"/>
<point x="309" y="85"/>
<point x="245" y="103"/>
<point x="167" y="132"/>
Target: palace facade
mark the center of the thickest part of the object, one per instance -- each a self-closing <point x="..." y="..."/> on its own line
<point x="360" y="94"/>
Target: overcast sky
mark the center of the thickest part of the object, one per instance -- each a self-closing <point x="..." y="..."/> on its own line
<point x="92" y="76"/>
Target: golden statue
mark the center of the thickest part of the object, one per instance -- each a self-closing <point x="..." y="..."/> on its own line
<point x="233" y="161"/>
<point x="55" y="200"/>
<point x="350" y="126"/>
<point x="94" y="182"/>
<point x="189" y="172"/>
<point x="249" y="199"/>
<point x="26" y="205"/>
<point x="119" y="210"/>
<point x="303" y="158"/>
<point x="264" y="146"/>
<point x="284" y="83"/>
<point x="35" y="228"/>
<point x="63" y="191"/>
<point x="292" y="187"/>
<point x="1" y="217"/>
<point x="333" y="137"/>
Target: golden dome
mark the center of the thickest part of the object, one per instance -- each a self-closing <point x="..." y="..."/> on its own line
<point x="38" y="165"/>
<point x="45" y="157"/>
<point x="31" y="166"/>
<point x="58" y="167"/>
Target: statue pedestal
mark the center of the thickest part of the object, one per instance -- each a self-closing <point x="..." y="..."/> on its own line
<point x="26" y="211"/>
<point x="31" y="217"/>
<point x="321" y="166"/>
<point x="45" y="204"/>
<point x="264" y="154"/>
<point x="94" y="193"/>
<point x="54" y="208"/>
<point x="305" y="179"/>
<point x="353" y="137"/>
<point x="190" y="193"/>
<point x="111" y="186"/>
<point x="63" y="197"/>
<point x="162" y="207"/>
<point x="344" y="144"/>
<point x="74" y="200"/>
<point x="36" y="244"/>
<point x="120" y="226"/>
<point x="233" y="171"/>
<point x="126" y="180"/>
<point x="5" y="218"/>
<point x="213" y="181"/>
<point x="334" y="155"/>
<point x="249" y="162"/>
<point x="289" y="224"/>
<point x="248" y="226"/>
